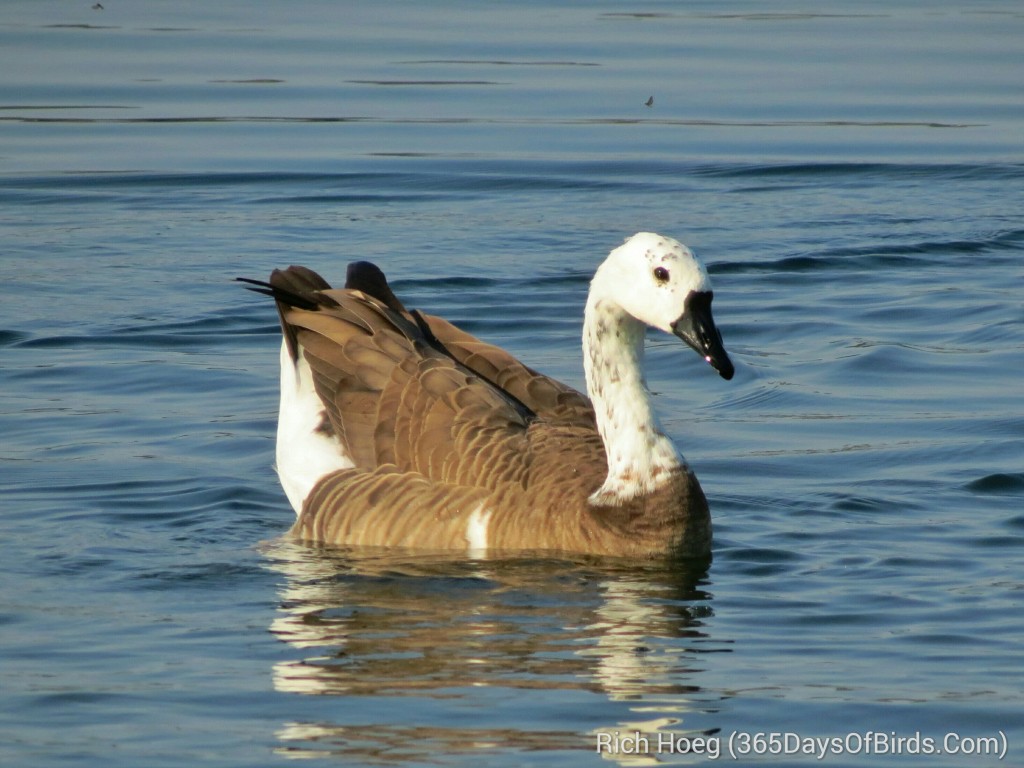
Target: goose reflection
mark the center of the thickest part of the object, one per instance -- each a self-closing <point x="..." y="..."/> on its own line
<point x="428" y="631"/>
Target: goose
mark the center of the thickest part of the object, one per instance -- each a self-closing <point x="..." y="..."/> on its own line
<point x="398" y="429"/>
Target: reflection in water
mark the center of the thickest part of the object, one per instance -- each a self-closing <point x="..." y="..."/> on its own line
<point x="433" y="640"/>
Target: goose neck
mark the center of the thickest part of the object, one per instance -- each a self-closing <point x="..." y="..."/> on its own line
<point x="640" y="456"/>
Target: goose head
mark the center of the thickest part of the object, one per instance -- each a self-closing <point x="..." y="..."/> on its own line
<point x="660" y="282"/>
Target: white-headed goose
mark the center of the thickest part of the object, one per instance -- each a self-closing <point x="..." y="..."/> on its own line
<point x="398" y="429"/>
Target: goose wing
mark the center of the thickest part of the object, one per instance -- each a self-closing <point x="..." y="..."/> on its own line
<point x="392" y="395"/>
<point x="550" y="399"/>
<point x="543" y="396"/>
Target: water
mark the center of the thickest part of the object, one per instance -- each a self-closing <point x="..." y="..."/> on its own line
<point x="853" y="177"/>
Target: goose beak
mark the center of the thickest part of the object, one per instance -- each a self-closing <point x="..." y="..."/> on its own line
<point x="697" y="328"/>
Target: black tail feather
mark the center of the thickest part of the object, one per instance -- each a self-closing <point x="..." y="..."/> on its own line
<point x="298" y="287"/>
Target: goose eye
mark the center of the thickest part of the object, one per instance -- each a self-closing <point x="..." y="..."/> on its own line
<point x="661" y="274"/>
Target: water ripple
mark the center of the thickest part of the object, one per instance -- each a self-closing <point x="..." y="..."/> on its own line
<point x="1000" y="483"/>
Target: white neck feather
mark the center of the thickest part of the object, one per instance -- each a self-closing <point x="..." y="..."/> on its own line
<point x="640" y="456"/>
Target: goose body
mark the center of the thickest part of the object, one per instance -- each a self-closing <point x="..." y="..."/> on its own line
<point x="396" y="428"/>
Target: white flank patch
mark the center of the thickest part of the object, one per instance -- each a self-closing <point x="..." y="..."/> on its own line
<point x="476" y="531"/>
<point x="304" y="455"/>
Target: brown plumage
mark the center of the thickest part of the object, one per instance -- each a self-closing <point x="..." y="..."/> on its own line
<point x="442" y="441"/>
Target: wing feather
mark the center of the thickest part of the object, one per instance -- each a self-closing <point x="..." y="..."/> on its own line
<point x="416" y="392"/>
<point x="548" y="398"/>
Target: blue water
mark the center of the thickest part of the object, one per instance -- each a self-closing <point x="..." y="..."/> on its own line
<point x="853" y="175"/>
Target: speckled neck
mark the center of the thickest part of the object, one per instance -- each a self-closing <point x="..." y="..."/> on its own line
<point x="640" y="456"/>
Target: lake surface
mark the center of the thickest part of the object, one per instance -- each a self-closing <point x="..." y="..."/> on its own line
<point x="853" y="175"/>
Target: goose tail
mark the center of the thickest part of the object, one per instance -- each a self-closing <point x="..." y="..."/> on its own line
<point x="307" y="446"/>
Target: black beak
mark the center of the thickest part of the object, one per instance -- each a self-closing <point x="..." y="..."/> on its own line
<point x="697" y="328"/>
